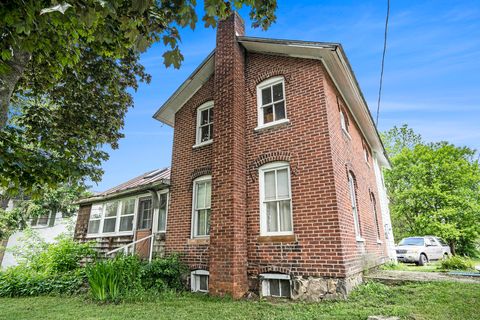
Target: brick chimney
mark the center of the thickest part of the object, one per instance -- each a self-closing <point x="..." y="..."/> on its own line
<point x="228" y="234"/>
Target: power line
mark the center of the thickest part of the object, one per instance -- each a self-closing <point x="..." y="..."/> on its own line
<point x="383" y="60"/>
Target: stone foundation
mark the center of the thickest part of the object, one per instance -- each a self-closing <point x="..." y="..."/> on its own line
<point x="317" y="289"/>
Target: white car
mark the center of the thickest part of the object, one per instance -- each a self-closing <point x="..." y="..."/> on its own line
<point x="420" y="250"/>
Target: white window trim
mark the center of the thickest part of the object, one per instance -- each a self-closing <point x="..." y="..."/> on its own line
<point x="267" y="83"/>
<point x="193" y="284"/>
<point x="198" y="135"/>
<point x="42" y="226"/>
<point x="263" y="214"/>
<point x="264" y="277"/>
<point x="120" y="216"/>
<point x="354" y="207"/>
<point x="156" y="213"/>
<point x="194" y="199"/>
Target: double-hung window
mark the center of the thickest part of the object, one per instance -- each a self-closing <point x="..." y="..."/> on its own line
<point x="145" y="213"/>
<point x="205" y="123"/>
<point x="162" y="212"/>
<point x="127" y="214"/>
<point x="40" y="221"/>
<point x="375" y="215"/>
<point x="353" y="201"/>
<point x="202" y="193"/>
<point x="275" y="199"/>
<point x="110" y="220"/>
<point x="96" y="214"/>
<point x="271" y="102"/>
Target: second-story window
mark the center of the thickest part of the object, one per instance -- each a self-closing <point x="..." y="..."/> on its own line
<point x="271" y="101"/>
<point x="205" y="123"/>
<point x="202" y="194"/>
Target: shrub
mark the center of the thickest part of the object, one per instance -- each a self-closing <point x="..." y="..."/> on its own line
<point x="21" y="281"/>
<point x="129" y="277"/>
<point x="55" y="269"/>
<point x="163" y="273"/>
<point x="457" y="263"/>
<point x="63" y="256"/>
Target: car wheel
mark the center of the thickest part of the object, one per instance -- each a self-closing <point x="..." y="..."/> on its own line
<point x="423" y="260"/>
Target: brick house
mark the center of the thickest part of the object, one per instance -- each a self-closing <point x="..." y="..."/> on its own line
<point x="276" y="182"/>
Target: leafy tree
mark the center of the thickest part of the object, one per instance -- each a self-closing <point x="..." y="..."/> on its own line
<point x="396" y="139"/>
<point x="61" y="199"/>
<point x="435" y="189"/>
<point x="65" y="71"/>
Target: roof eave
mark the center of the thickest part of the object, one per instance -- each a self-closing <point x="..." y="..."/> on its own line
<point x="166" y="113"/>
<point x="161" y="184"/>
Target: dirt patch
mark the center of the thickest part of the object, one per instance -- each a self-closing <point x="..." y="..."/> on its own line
<point x="395" y="276"/>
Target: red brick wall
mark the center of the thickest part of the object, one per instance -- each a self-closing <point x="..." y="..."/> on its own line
<point x="228" y="241"/>
<point x="187" y="164"/>
<point x="348" y="154"/>
<point x="304" y="142"/>
<point x="312" y="142"/>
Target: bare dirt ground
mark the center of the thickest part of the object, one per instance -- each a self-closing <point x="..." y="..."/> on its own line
<point x="393" y="276"/>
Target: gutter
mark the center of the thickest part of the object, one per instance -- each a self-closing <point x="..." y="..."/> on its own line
<point x="147" y="187"/>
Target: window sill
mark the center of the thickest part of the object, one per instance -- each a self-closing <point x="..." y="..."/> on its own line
<point x="106" y="235"/>
<point x="360" y="239"/>
<point x="202" y="144"/>
<point x="199" y="241"/>
<point x="345" y="132"/>
<point x="379" y="241"/>
<point x="368" y="164"/>
<point x="271" y="125"/>
<point x="279" y="238"/>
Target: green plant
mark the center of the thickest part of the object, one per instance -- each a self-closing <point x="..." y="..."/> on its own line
<point x="22" y="281"/>
<point x="104" y="281"/>
<point x="457" y="263"/>
<point x="163" y="273"/>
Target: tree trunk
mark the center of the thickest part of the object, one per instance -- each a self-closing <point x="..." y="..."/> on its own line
<point x="452" y="248"/>
<point x="8" y="81"/>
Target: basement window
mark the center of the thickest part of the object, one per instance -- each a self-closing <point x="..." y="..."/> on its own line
<point x="199" y="280"/>
<point x="275" y="285"/>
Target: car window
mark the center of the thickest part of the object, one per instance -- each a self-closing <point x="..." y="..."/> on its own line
<point x="412" y="242"/>
<point x="442" y="242"/>
<point x="433" y="242"/>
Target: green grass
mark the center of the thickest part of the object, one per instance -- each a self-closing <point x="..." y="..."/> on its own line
<point x="433" y="266"/>
<point x="442" y="300"/>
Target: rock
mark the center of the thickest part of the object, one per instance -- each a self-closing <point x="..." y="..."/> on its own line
<point x="332" y="285"/>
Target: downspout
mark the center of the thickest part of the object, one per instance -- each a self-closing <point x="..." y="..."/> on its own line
<point x="155" y="207"/>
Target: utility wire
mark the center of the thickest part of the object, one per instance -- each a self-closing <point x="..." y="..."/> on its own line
<point x="383" y="61"/>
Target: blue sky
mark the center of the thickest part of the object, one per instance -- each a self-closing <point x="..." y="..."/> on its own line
<point x="431" y="80"/>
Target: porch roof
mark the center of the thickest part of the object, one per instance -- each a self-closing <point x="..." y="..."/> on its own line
<point x="155" y="179"/>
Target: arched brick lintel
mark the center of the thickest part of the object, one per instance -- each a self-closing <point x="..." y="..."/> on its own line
<point x="268" y="157"/>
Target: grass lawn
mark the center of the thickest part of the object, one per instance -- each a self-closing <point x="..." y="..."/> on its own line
<point x="433" y="266"/>
<point x="426" y="301"/>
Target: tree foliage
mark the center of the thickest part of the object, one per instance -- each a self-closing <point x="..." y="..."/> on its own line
<point x="61" y="199"/>
<point x="399" y="138"/>
<point x="66" y="68"/>
<point x="434" y="189"/>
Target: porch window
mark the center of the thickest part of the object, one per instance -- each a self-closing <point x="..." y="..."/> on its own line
<point x="95" y="219"/>
<point x="205" y="123"/>
<point x="353" y="202"/>
<point x="202" y="193"/>
<point x="127" y="214"/>
<point x="275" y="285"/>
<point x="271" y="101"/>
<point x="110" y="220"/>
<point x="162" y="212"/>
<point x="199" y="280"/>
<point x="145" y="213"/>
<point x="275" y="199"/>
